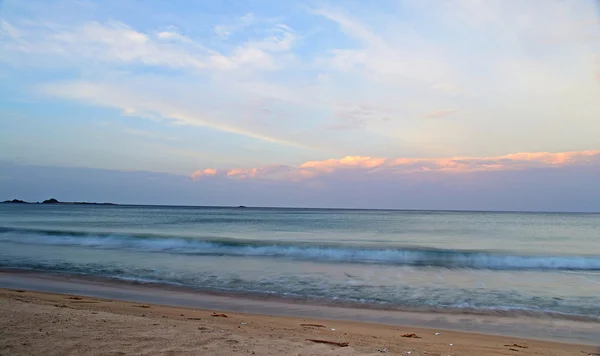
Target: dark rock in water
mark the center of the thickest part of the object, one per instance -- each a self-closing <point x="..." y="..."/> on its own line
<point x="242" y="206"/>
<point x="15" y="201"/>
<point x="52" y="201"/>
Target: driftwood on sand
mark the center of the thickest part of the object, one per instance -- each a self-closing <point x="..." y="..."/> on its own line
<point x="413" y="336"/>
<point x="318" y="341"/>
<point x="519" y="346"/>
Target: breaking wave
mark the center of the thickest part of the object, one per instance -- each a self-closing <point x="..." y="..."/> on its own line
<point x="409" y="256"/>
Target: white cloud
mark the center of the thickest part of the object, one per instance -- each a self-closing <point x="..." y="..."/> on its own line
<point x="358" y="116"/>
<point x="387" y="57"/>
<point x="224" y="31"/>
<point x="112" y="42"/>
<point x="118" y="43"/>
<point x="440" y="113"/>
<point x="8" y="30"/>
<point x="446" y="88"/>
<point x="129" y="98"/>
<point x="522" y="74"/>
<point x="173" y="36"/>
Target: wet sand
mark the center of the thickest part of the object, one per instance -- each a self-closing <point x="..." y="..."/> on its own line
<point x="34" y="323"/>
<point x="42" y="323"/>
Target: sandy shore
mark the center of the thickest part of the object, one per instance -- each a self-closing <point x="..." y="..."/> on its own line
<point x="34" y="323"/>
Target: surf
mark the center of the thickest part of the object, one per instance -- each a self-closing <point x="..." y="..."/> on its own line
<point x="325" y="253"/>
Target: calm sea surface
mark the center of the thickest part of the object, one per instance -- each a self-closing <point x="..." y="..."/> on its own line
<point x="534" y="263"/>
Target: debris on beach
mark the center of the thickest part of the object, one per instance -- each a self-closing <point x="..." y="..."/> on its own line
<point x="436" y="334"/>
<point x="193" y="318"/>
<point x="313" y="325"/>
<point x="412" y="336"/>
<point x="318" y="341"/>
<point x="219" y="315"/>
<point x="519" y="346"/>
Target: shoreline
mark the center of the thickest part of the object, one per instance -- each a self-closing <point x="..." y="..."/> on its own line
<point x="533" y="328"/>
<point x="289" y="299"/>
<point x="67" y="324"/>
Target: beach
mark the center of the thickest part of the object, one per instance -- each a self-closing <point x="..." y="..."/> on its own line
<point x="465" y="283"/>
<point x="34" y="323"/>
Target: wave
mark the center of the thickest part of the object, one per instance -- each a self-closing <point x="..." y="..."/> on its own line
<point x="408" y="256"/>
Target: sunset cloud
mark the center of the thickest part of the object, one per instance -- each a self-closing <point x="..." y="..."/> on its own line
<point x="358" y="165"/>
<point x="203" y="173"/>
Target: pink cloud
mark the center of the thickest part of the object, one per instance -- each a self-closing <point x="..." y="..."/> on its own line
<point x="203" y="173"/>
<point x="357" y="165"/>
<point x="348" y="161"/>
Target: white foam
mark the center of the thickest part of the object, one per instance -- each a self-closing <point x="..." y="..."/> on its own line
<point x="416" y="257"/>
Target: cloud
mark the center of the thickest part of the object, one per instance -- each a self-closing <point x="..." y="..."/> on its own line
<point x="241" y="23"/>
<point x="182" y="111"/>
<point x="357" y="116"/>
<point x="446" y="88"/>
<point x="203" y="173"/>
<point x="231" y="73"/>
<point x="116" y="42"/>
<point x="327" y="79"/>
<point x="172" y="36"/>
<point x="348" y="161"/>
<point x="7" y="29"/>
<point x="571" y="188"/>
<point x="440" y="113"/>
<point x="358" y="167"/>
<point x="383" y="57"/>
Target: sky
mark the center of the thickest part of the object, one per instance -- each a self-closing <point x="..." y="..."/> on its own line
<point x="428" y="104"/>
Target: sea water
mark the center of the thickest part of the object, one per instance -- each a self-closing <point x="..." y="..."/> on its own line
<point x="472" y="262"/>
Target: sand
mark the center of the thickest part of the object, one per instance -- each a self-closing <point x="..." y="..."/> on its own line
<point x="34" y="323"/>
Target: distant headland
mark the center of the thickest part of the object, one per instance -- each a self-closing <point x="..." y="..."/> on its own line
<point x="53" y="201"/>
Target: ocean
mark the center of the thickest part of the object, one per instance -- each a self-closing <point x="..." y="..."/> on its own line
<point x="545" y="264"/>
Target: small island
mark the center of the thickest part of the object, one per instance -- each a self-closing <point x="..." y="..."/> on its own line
<point x="53" y="201"/>
<point x="15" y="201"/>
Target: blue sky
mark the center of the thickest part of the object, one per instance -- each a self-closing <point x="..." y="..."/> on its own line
<point x="302" y="95"/>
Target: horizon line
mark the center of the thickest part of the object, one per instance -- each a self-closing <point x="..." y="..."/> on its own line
<point x="109" y="204"/>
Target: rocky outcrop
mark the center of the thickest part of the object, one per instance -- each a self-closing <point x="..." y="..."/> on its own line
<point x="15" y="201"/>
<point x="52" y="201"/>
